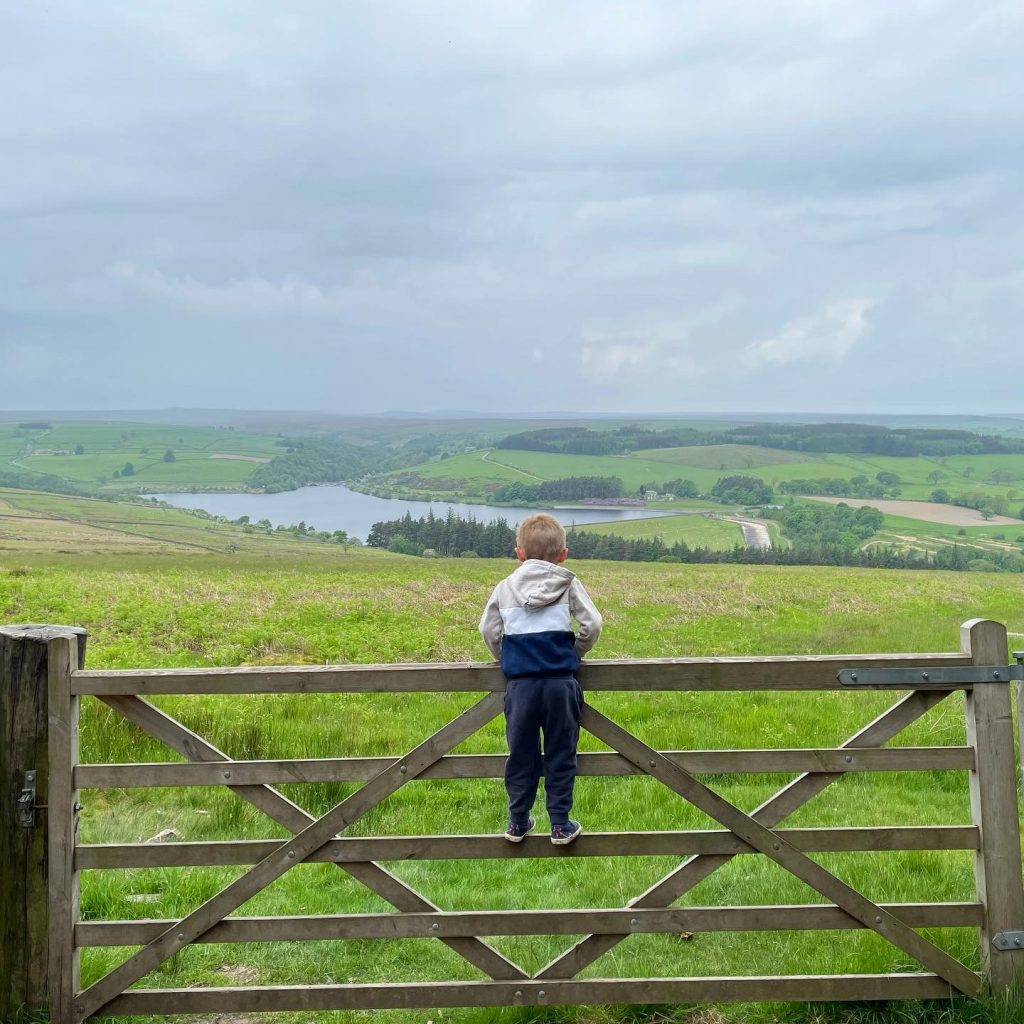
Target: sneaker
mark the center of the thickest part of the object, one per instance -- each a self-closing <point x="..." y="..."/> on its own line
<point x="516" y="833"/>
<point x="565" y="833"/>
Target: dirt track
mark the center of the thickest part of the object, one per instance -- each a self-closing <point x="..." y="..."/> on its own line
<point x="951" y="515"/>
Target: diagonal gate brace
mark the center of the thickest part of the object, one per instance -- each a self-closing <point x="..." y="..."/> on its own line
<point x="776" y="848"/>
<point x="772" y="812"/>
<point x="300" y="846"/>
<point x="292" y="817"/>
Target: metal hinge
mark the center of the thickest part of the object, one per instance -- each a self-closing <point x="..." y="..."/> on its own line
<point x="1008" y="940"/>
<point x="26" y="812"/>
<point x="957" y="675"/>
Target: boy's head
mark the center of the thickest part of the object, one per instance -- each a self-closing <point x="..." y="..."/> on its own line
<point x="541" y="536"/>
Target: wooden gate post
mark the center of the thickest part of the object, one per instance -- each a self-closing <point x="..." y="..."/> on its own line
<point x="25" y="675"/>
<point x="993" y="786"/>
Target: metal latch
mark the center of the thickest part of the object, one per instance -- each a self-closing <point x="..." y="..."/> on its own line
<point x="953" y="675"/>
<point x="26" y="812"/>
<point x="1008" y="940"/>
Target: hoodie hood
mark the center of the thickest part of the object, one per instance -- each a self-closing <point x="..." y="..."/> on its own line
<point x="537" y="583"/>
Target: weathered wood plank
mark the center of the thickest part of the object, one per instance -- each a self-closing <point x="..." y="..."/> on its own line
<point x="24" y="868"/>
<point x="95" y="998"/>
<point x="531" y="922"/>
<point x="292" y="817"/>
<point x="106" y="856"/>
<point x="62" y="825"/>
<point x="783" y="853"/>
<point x="419" y="995"/>
<point x="770" y="813"/>
<point x="492" y="766"/>
<point x="775" y="673"/>
<point x="993" y="788"/>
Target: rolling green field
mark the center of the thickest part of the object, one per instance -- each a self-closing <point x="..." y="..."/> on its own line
<point x="694" y="530"/>
<point x="218" y="609"/>
<point x="706" y="465"/>
<point x="36" y="526"/>
<point x="205" y="457"/>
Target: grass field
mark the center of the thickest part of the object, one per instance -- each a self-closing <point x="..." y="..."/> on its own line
<point x="694" y="530"/>
<point x="706" y="465"/>
<point x="53" y="527"/>
<point x="154" y="610"/>
<point x="108" y="446"/>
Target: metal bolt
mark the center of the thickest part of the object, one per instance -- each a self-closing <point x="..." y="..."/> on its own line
<point x="853" y="677"/>
<point x="996" y="674"/>
<point x="878" y="920"/>
<point x="541" y="994"/>
<point x="181" y="936"/>
<point x="435" y="927"/>
<point x="775" y="846"/>
<point x="924" y="676"/>
<point x="291" y="855"/>
<point x="848" y="759"/>
<point x="227" y="775"/>
<point x="404" y="770"/>
<point x="519" y="994"/>
<point x="633" y="922"/>
<point x="1016" y="942"/>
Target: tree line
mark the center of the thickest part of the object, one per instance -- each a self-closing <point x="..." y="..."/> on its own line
<point x="831" y="535"/>
<point x="315" y="461"/>
<point x="850" y="438"/>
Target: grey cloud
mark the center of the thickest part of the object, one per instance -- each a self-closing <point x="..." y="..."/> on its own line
<point x="385" y="206"/>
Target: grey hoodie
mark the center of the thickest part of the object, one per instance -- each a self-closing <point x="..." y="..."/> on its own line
<point x="527" y="620"/>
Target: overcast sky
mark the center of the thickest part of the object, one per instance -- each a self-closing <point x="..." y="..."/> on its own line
<point x="506" y="206"/>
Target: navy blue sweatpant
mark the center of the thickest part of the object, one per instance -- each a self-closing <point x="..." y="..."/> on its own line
<point x="536" y="705"/>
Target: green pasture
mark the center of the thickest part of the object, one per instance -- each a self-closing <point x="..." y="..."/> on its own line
<point x="706" y="465"/>
<point x="983" y="531"/>
<point x="697" y="531"/>
<point x="219" y="610"/>
<point x="738" y="457"/>
<point x="114" y="436"/>
<point x="36" y="526"/>
<point x="108" y="446"/>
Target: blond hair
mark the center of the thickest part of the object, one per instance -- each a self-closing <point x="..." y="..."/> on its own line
<point x="541" y="536"/>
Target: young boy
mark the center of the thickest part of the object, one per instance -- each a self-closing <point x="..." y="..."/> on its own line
<point x="526" y="625"/>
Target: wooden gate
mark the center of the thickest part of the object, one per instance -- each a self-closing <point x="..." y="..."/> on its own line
<point x="495" y="980"/>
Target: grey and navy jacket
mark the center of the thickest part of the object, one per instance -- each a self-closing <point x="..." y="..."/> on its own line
<point x="527" y="624"/>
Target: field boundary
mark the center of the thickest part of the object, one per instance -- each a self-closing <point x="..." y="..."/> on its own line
<point x="49" y="662"/>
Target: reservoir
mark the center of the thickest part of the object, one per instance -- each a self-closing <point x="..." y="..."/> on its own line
<point x="335" y="507"/>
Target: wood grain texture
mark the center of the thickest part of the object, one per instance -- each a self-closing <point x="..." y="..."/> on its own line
<point x="667" y="674"/>
<point x="492" y="766"/>
<point x="107" y="856"/>
<point x="673" y="920"/>
<point x="993" y="788"/>
<point x="62" y="828"/>
<point x="430" y="995"/>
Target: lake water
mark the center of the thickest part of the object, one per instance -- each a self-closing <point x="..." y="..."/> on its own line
<point x="337" y="508"/>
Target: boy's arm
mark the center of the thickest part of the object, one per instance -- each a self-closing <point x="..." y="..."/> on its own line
<point x="586" y="614"/>
<point x="491" y="628"/>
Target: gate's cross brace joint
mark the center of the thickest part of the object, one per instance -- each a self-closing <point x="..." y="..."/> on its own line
<point x="772" y="812"/>
<point x="774" y="846"/>
<point x="301" y="845"/>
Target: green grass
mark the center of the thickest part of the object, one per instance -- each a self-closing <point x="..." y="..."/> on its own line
<point x="108" y="446"/>
<point x="38" y="526"/>
<point x="706" y="465"/>
<point x="694" y="530"/>
<point x="220" y="610"/>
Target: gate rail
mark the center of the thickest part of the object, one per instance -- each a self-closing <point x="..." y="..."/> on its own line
<point x="924" y="680"/>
